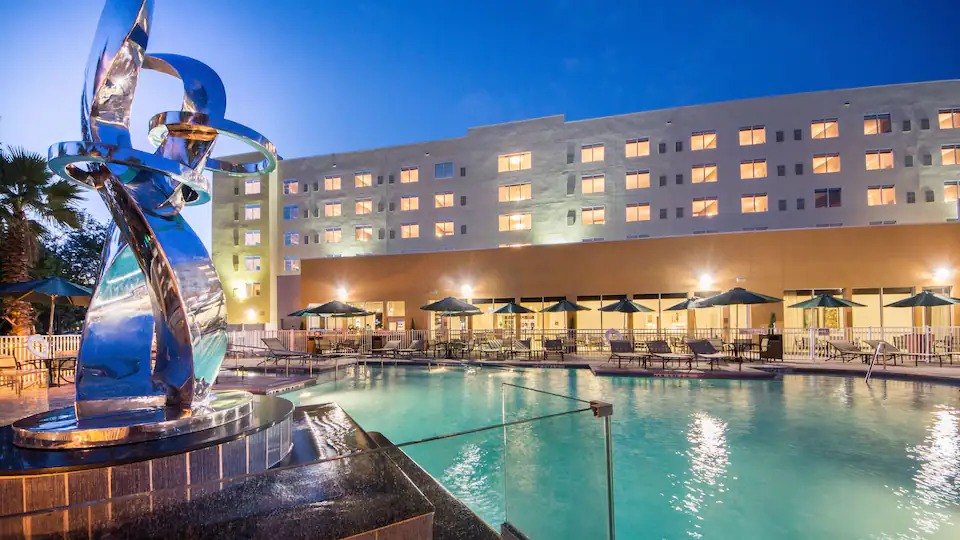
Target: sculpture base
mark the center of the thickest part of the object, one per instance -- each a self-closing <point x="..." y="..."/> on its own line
<point x="60" y="429"/>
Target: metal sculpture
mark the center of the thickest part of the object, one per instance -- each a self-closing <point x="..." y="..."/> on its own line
<point x="157" y="282"/>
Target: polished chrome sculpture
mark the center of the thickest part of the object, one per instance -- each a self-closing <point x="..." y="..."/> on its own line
<point x="157" y="282"/>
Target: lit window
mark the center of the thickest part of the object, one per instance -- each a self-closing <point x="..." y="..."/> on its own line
<point x="879" y="159"/>
<point x="949" y="118"/>
<point x="705" y="207"/>
<point x="251" y="212"/>
<point x="251" y="187"/>
<point x="703" y="173"/>
<point x="880" y="195"/>
<point x="409" y="175"/>
<point x="591" y="152"/>
<point x="252" y="264"/>
<point x="638" y="179"/>
<point x="291" y="238"/>
<point x="703" y="140"/>
<point x="291" y="211"/>
<point x="291" y="264"/>
<point x="514" y="192"/>
<point x="251" y="238"/>
<point x="443" y="170"/>
<point x="332" y="209"/>
<point x="638" y="147"/>
<point x="364" y="233"/>
<point x="753" y="168"/>
<point x="363" y="179"/>
<point x="291" y="186"/>
<point x="750" y="204"/>
<point x="593" y="215"/>
<point x="409" y="202"/>
<point x="827" y="198"/>
<point x="410" y="230"/>
<point x="950" y="191"/>
<point x="444" y="228"/>
<point x="824" y="129"/>
<point x="591" y="184"/>
<point x="514" y="162"/>
<point x="252" y="288"/>
<point x="443" y="200"/>
<point x="333" y="235"/>
<point x="876" y="124"/>
<point x="950" y="154"/>
<point x="826" y="163"/>
<point x="364" y="206"/>
<point x="753" y="135"/>
<point x="331" y="183"/>
<point x="515" y="222"/>
<point x="638" y="212"/>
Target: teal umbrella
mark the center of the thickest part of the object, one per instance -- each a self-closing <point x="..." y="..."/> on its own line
<point x="52" y="290"/>
<point x="626" y="306"/>
<point x="512" y="308"/>
<point x="690" y="303"/>
<point x="738" y="296"/>
<point x="926" y="299"/>
<point x="825" y="301"/>
<point x="564" y="306"/>
<point x="451" y="305"/>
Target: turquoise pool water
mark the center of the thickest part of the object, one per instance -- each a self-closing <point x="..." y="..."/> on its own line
<point x="804" y="457"/>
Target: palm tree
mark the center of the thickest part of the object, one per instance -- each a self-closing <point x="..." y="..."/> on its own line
<point x="31" y="201"/>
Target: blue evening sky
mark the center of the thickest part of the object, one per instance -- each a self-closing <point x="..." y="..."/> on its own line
<point x="319" y="77"/>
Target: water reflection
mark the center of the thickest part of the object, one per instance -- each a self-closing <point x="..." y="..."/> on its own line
<point x="709" y="458"/>
<point x="938" y="477"/>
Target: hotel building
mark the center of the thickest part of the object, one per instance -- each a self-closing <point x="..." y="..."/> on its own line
<point x="852" y="192"/>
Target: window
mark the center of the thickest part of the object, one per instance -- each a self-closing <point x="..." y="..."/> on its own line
<point x="911" y="197"/>
<point x="750" y="204"/>
<point x="779" y="136"/>
<point x="703" y="173"/>
<point x="638" y="147"/>
<point x="515" y="222"/>
<point x="444" y="228"/>
<point x="291" y="238"/>
<point x="443" y="200"/>
<point x="291" y="264"/>
<point x="825" y="129"/>
<point x="950" y="154"/>
<point x="924" y="123"/>
<point x="678" y="146"/>
<point x="927" y="160"/>
<point x="251" y="186"/>
<point x="638" y="179"/>
<point x="826" y="163"/>
<point x="826" y="198"/>
<point x="513" y="162"/>
<point x="705" y="207"/>
<point x="251" y="212"/>
<point x="290" y="211"/>
<point x="679" y="212"/>
<point x="251" y="238"/>
<point x="291" y="186"/>
<point x="252" y="288"/>
<point x="928" y="195"/>
<point x="798" y="134"/>
<point x="951" y="191"/>
<point x="703" y="140"/>
<point x="663" y="180"/>
<point x="679" y="179"/>
<point x="754" y="135"/>
<point x="663" y="213"/>
<point x="638" y="212"/>
<point x="753" y="168"/>
<point x="333" y="235"/>
<point x="409" y="175"/>
<point x="662" y="148"/>
<point x="331" y="183"/>
<point x="782" y="205"/>
<point x="876" y="124"/>
<point x="409" y="202"/>
<point x="591" y="152"/>
<point x="363" y="233"/>
<point x="362" y="179"/>
<point x="781" y="170"/>
<point x="879" y="195"/>
<point x="591" y="184"/>
<point x="593" y="215"/>
<point x="801" y="203"/>
<point x="363" y="206"/>
<point x="906" y="126"/>
<point x="252" y="264"/>
<point x="332" y="209"/>
<point x="949" y="118"/>
<point x="798" y="169"/>
<point x="443" y="170"/>
<point x="879" y="159"/>
<point x="514" y="192"/>
<point x="908" y="161"/>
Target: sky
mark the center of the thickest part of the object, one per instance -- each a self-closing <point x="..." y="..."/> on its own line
<point x="318" y="77"/>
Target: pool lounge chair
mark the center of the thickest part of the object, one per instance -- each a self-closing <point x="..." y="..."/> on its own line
<point x="418" y="346"/>
<point x="621" y="349"/>
<point x="703" y="349"/>
<point x="847" y="351"/>
<point x="492" y="347"/>
<point x="276" y="352"/>
<point x="659" y="349"/>
<point x="521" y="348"/>
<point x="390" y="347"/>
<point x="553" y="346"/>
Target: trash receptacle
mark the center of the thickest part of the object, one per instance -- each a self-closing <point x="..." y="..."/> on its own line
<point x="771" y="347"/>
<point x="376" y="342"/>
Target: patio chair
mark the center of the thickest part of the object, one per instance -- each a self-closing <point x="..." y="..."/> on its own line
<point x="416" y="347"/>
<point x="703" y="349"/>
<point x="659" y="349"/>
<point x="521" y="347"/>
<point x="13" y="372"/>
<point x="276" y="352"/>
<point x="553" y="346"/>
<point x="492" y="347"/>
<point x="622" y="348"/>
<point x="847" y="351"/>
<point x="321" y="345"/>
<point x="390" y="347"/>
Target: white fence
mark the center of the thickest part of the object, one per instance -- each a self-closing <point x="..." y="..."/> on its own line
<point x="16" y="346"/>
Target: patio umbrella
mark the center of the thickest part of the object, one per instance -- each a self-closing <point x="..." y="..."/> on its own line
<point x="925" y="299"/>
<point x="334" y="307"/>
<point x="738" y="296"/>
<point x="452" y="305"/>
<point x="690" y="303"/>
<point x="52" y="290"/>
<point x="300" y="313"/>
<point x="825" y="301"/>
<point x="626" y="306"/>
<point x="564" y="306"/>
<point x="512" y="308"/>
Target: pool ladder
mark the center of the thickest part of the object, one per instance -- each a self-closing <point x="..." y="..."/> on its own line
<point x="873" y="360"/>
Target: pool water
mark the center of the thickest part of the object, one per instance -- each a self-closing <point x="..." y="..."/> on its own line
<point x="803" y="457"/>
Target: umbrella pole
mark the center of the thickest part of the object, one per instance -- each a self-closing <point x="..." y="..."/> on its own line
<point x="53" y="306"/>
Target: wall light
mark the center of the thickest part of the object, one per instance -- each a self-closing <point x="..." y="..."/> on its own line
<point x="342" y="294"/>
<point x="942" y="274"/>
<point x="251" y="314"/>
<point x="466" y="291"/>
<point x="705" y="282"/>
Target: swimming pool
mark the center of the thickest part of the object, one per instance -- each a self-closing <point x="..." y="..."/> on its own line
<point x="802" y="457"/>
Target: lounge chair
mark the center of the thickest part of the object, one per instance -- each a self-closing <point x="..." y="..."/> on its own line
<point x="494" y="346"/>
<point x="659" y="349"/>
<point x="553" y="346"/>
<point x="276" y="352"/>
<point x="847" y="351"/>
<point x="390" y="347"/>
<point x="702" y="348"/>
<point x="521" y="347"/>
<point x="418" y="346"/>
<point x="621" y="348"/>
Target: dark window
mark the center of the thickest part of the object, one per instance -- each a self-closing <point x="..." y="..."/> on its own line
<point x="463" y="200"/>
<point x="663" y="213"/>
<point x="924" y="123"/>
<point x="908" y="161"/>
<point x="679" y="212"/>
<point x="800" y="204"/>
<point x="798" y="169"/>
<point x="380" y="180"/>
<point x="663" y="180"/>
<point x="463" y="171"/>
<point x="443" y="170"/>
<point x="380" y="234"/>
<point x="316" y="238"/>
<point x="781" y="170"/>
<point x="679" y="146"/>
<point x="906" y="126"/>
<point x="827" y="198"/>
<point x="236" y="190"/>
<point x="306" y="239"/>
<point x="911" y="197"/>
<point x="306" y="188"/>
<point x="779" y="136"/>
<point x="306" y="214"/>
<point x="927" y="160"/>
<point x="571" y="184"/>
<point x="390" y="179"/>
<point x="783" y="205"/>
<point x="928" y="195"/>
<point x="380" y="206"/>
<point x="680" y="179"/>
<point x="798" y="134"/>
<point x="662" y="148"/>
<point x="393" y="234"/>
<point x="570" y="154"/>
<point x="463" y="229"/>
<point x="571" y="217"/>
<point x="392" y="206"/>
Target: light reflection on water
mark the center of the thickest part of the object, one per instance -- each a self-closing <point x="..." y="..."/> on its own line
<point x="708" y="456"/>
<point x="938" y="477"/>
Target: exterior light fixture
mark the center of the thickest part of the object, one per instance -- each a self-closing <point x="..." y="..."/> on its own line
<point x="342" y="294"/>
<point x="705" y="282"/>
<point x="466" y="291"/>
<point x="251" y="314"/>
<point x="942" y="274"/>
